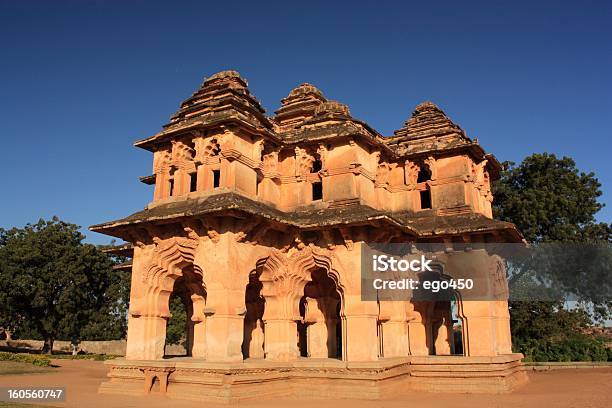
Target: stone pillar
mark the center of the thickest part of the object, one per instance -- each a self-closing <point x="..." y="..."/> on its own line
<point x="224" y="337"/>
<point x="281" y="339"/>
<point x="395" y="339"/>
<point x="317" y="329"/>
<point x="226" y="271"/>
<point x="182" y="181"/>
<point x="146" y="337"/>
<point x="418" y="337"/>
<point x="504" y="338"/>
<point x="480" y="337"/>
<point x="162" y="185"/>
<point x="224" y="324"/>
<point x="204" y="178"/>
<point x="442" y="338"/>
<point x="361" y="329"/>
<point x="280" y="319"/>
<point x="361" y="337"/>
<point x="198" y="349"/>
<point x="441" y="321"/>
<point x="257" y="340"/>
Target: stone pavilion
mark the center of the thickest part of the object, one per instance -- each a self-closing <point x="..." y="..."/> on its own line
<point x="258" y="223"/>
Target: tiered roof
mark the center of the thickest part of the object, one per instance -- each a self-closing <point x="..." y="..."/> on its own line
<point x="224" y="97"/>
<point x="306" y="116"/>
<point x="428" y="120"/>
<point x="428" y="129"/>
<point x="298" y="106"/>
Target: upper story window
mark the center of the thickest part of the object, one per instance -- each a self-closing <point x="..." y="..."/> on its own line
<point x="424" y="175"/>
<point x="317" y="190"/>
<point x="425" y="193"/>
<point x="425" y="196"/>
<point x="193" y="186"/>
<point x="171" y="189"/>
<point x="216" y="178"/>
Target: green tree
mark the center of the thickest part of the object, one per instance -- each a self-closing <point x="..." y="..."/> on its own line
<point x="550" y="200"/>
<point x="59" y="286"/>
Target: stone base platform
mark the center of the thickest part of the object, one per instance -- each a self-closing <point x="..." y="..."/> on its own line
<point x="199" y="380"/>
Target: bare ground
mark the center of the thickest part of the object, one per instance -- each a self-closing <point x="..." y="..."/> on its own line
<point x="15" y="367"/>
<point x="579" y="388"/>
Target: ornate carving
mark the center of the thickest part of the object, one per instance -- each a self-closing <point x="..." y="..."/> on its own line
<point x="411" y="173"/>
<point x="303" y="162"/>
<point x="346" y="236"/>
<point x="270" y="162"/>
<point x="382" y="174"/>
<point x="162" y="160"/>
<point x="284" y="276"/>
<point x="322" y="152"/>
<point x="481" y="179"/>
<point x="212" y="148"/>
<point x="499" y="280"/>
<point x="182" y="153"/>
<point x="213" y="235"/>
<point x="431" y="163"/>
<point x="170" y="256"/>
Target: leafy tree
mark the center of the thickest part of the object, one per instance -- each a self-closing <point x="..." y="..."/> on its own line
<point x="59" y="286"/>
<point x="550" y="200"/>
<point x="546" y="331"/>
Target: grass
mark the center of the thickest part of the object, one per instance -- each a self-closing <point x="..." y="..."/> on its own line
<point x="34" y="359"/>
<point x="17" y="367"/>
<point x="96" y="357"/>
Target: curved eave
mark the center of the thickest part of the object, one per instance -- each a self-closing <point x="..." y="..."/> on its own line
<point x="230" y="204"/>
<point x="201" y="125"/>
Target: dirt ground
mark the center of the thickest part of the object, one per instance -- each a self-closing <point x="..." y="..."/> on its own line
<point x="579" y="388"/>
<point x="14" y="367"/>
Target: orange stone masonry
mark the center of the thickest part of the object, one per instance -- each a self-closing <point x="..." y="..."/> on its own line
<point x="258" y="224"/>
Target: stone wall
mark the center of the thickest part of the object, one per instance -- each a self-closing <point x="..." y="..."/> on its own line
<point x="114" y="347"/>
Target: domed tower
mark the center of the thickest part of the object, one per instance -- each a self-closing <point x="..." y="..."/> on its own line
<point x="212" y="144"/>
<point x="448" y="171"/>
<point x="298" y="106"/>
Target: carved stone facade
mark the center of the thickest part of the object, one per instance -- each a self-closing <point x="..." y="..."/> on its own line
<point x="258" y="222"/>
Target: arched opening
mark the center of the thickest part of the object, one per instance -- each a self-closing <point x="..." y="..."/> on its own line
<point x="253" y="340"/>
<point x="184" y="329"/>
<point x="445" y="325"/>
<point x="177" y="328"/>
<point x="440" y="324"/>
<point x="458" y="326"/>
<point x="302" y="328"/>
<point x="424" y="176"/>
<point x="320" y="334"/>
<point x="317" y="190"/>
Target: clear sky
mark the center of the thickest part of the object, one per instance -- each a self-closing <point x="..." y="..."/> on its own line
<point x="80" y="81"/>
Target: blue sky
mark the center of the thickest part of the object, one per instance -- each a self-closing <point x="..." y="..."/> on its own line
<point x="81" y="80"/>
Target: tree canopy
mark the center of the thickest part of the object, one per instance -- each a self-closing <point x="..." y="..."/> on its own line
<point x="551" y="201"/>
<point x="55" y="285"/>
